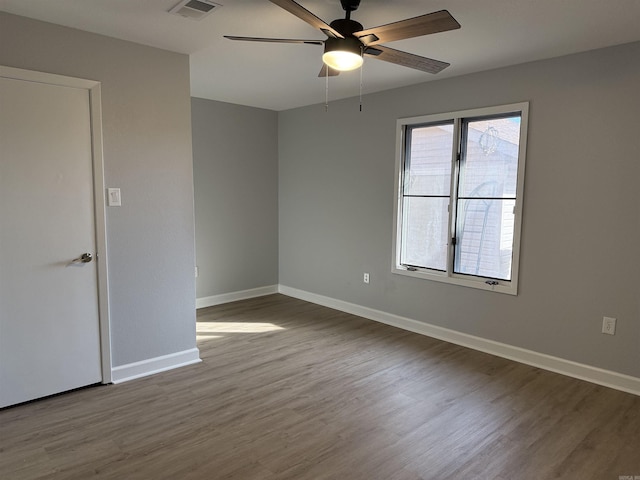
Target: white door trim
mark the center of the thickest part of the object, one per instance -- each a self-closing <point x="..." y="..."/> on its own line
<point x="93" y="88"/>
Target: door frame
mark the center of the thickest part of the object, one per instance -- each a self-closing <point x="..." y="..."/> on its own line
<point x="99" y="197"/>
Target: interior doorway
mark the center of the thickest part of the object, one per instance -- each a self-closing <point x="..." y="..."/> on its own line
<point x="54" y="317"/>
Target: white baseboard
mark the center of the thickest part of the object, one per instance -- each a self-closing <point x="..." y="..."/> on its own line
<point x="607" y="378"/>
<point x="234" y="296"/>
<point x="131" y="371"/>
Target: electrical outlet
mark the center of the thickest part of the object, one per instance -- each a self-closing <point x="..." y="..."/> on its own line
<point x="609" y="325"/>
<point x="197" y="271"/>
<point x="365" y="278"/>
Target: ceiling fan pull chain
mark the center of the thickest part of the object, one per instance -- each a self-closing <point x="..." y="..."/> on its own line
<point x="361" y="68"/>
<point x="326" y="90"/>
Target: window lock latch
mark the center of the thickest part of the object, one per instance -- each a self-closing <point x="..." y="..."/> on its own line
<point x="493" y="283"/>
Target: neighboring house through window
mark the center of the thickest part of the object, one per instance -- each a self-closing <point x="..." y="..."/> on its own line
<point x="459" y="185"/>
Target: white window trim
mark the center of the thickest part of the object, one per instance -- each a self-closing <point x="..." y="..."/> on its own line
<point x="502" y="286"/>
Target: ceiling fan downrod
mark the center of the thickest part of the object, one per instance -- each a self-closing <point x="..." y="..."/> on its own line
<point x="349" y="6"/>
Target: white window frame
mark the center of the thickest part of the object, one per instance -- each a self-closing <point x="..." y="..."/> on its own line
<point x="501" y="286"/>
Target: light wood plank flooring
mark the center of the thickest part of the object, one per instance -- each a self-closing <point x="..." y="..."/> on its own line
<point x="291" y="390"/>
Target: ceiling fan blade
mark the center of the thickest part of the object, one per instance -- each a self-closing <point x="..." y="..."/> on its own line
<point x="332" y="71"/>
<point x="275" y="40"/>
<point x="435" y="22"/>
<point x="405" y="59"/>
<point x="304" y="14"/>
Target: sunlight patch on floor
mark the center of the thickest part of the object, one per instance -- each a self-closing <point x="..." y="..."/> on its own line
<point x="208" y="328"/>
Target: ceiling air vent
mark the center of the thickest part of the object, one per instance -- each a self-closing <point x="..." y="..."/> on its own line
<point x="195" y="9"/>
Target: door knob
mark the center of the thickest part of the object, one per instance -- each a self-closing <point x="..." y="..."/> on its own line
<point x="84" y="258"/>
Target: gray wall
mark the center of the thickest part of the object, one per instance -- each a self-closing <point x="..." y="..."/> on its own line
<point x="235" y="166"/>
<point x="580" y="256"/>
<point x="147" y="153"/>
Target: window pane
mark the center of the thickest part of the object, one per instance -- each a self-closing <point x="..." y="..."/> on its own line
<point x="424" y="232"/>
<point x="490" y="162"/>
<point x="484" y="238"/>
<point x="428" y="160"/>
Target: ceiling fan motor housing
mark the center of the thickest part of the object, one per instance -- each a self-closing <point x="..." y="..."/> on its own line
<point x="347" y="44"/>
<point x="346" y="27"/>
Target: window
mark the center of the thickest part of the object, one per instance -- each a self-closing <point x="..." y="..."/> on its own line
<point x="459" y="187"/>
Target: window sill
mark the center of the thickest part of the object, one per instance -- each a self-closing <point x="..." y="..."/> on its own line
<point x="507" y="287"/>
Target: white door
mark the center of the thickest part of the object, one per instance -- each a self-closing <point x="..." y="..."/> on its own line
<point x="49" y="324"/>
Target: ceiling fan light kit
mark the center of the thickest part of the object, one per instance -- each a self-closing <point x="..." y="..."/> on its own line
<point x="347" y="42"/>
<point x="343" y="54"/>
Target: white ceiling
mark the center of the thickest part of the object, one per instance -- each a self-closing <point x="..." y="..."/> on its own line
<point x="494" y="33"/>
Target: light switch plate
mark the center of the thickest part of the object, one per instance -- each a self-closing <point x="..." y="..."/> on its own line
<point x="113" y="197"/>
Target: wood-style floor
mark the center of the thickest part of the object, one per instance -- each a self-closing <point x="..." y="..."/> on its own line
<point x="291" y="390"/>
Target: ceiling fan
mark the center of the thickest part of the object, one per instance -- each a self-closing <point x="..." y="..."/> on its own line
<point x="347" y="41"/>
